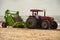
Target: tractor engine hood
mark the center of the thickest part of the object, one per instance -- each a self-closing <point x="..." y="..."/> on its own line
<point x="47" y="18"/>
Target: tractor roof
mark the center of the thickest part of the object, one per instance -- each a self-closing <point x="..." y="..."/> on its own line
<point x="36" y="10"/>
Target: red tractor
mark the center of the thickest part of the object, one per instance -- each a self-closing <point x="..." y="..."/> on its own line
<point x="44" y="22"/>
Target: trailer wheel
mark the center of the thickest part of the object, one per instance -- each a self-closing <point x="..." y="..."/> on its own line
<point x="54" y="25"/>
<point x="4" y="25"/>
<point x="31" y="22"/>
<point x="45" y="24"/>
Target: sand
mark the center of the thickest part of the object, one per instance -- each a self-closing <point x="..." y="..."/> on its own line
<point x="28" y="34"/>
<point x="10" y="33"/>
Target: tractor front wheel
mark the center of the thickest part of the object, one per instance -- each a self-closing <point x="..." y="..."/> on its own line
<point x="4" y="25"/>
<point x="54" y="25"/>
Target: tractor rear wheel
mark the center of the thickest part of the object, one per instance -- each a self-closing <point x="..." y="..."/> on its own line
<point x="31" y="22"/>
<point x="45" y="24"/>
<point x="54" y="25"/>
<point x="4" y="25"/>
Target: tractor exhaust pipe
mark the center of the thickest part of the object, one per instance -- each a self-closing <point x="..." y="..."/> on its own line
<point x="44" y="12"/>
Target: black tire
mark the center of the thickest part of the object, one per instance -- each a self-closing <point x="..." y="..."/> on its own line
<point x="45" y="24"/>
<point x="4" y="25"/>
<point x="31" y="22"/>
<point x="54" y="25"/>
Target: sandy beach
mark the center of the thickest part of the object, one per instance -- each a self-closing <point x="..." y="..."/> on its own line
<point x="10" y="33"/>
<point x="28" y="34"/>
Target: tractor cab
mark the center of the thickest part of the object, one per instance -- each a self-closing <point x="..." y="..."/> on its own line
<point x="35" y="11"/>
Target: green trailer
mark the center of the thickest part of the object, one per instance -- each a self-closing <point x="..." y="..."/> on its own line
<point x="13" y="19"/>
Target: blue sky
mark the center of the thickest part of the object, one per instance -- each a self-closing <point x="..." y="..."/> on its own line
<point x="52" y="7"/>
